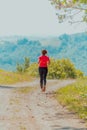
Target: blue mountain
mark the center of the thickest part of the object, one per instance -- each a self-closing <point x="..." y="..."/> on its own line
<point x="13" y="50"/>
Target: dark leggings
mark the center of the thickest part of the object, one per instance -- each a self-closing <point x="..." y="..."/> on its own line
<point x="43" y="74"/>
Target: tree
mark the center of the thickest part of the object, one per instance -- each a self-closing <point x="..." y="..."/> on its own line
<point x="19" y="68"/>
<point x="23" y="67"/>
<point x="26" y="63"/>
<point x="69" y="9"/>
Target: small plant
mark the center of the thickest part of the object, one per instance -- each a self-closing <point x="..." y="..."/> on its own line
<point x="23" y="67"/>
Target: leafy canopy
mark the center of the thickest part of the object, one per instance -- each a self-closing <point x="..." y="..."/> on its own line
<point x="69" y="9"/>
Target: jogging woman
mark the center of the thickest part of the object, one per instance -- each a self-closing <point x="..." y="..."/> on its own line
<point x="43" y="62"/>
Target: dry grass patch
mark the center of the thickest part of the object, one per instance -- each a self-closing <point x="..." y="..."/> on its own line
<point x="12" y="77"/>
<point x="24" y="90"/>
<point x="14" y="101"/>
<point x="23" y="128"/>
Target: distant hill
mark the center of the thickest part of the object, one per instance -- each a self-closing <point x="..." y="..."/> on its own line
<point x="14" y="49"/>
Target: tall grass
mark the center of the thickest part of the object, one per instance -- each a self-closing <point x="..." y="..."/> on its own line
<point x="75" y="97"/>
<point x="12" y="77"/>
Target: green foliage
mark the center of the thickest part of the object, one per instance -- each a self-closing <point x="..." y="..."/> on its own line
<point x="23" y="67"/>
<point x="83" y="1"/>
<point x="63" y="68"/>
<point x="26" y="63"/>
<point x="75" y="97"/>
<point x="80" y="1"/>
<point x="68" y="2"/>
<point x="69" y="6"/>
<point x="79" y="73"/>
<point x="33" y="70"/>
<point x="58" y="69"/>
<point x="19" y="68"/>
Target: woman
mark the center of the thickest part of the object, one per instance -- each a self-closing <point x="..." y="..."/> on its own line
<point x="43" y="62"/>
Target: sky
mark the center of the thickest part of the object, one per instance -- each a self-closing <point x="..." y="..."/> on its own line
<point x="32" y="18"/>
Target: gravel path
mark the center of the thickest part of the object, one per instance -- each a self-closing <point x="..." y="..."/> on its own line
<point x="35" y="110"/>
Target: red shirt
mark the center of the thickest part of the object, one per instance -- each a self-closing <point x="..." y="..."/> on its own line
<point x="43" y="61"/>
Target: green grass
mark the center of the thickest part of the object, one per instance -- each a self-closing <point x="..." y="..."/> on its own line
<point x="13" y="77"/>
<point x="74" y="97"/>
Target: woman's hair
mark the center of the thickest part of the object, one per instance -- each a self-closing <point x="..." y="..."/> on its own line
<point x="44" y="52"/>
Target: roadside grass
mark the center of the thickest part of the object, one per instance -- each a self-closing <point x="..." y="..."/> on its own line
<point x="74" y="97"/>
<point x="13" y="77"/>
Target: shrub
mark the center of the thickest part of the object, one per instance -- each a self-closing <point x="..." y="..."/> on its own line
<point x="23" y="67"/>
<point x="63" y="68"/>
<point x="58" y="69"/>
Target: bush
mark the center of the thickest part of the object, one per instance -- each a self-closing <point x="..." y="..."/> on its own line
<point x="33" y="70"/>
<point x="58" y="69"/>
<point x="23" y="67"/>
<point x="63" y="68"/>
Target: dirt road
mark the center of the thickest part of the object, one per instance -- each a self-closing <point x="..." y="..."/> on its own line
<point x="35" y="110"/>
